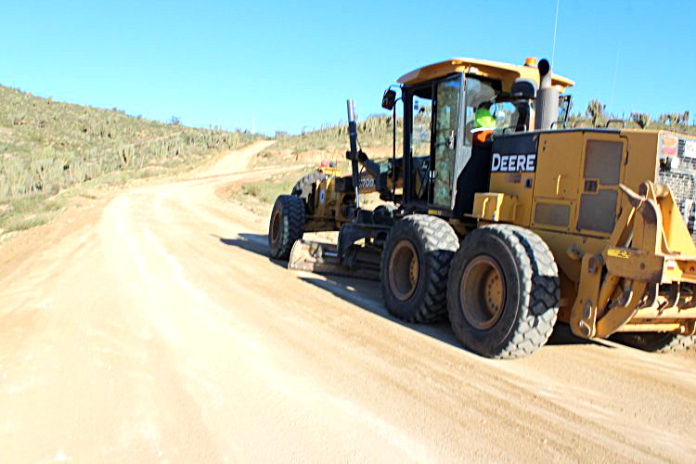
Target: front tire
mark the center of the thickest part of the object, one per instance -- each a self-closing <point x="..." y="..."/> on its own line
<point x="305" y="188"/>
<point x="414" y="267"/>
<point x="503" y="292"/>
<point x="286" y="225"/>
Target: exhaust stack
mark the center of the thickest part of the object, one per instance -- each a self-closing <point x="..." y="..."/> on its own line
<point x="546" y="99"/>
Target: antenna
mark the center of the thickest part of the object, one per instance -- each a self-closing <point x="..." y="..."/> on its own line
<point x="616" y="72"/>
<point x="555" y="29"/>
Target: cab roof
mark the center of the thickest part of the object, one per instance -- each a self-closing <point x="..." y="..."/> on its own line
<point x="505" y="72"/>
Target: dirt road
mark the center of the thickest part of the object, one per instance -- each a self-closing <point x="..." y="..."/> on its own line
<point x="154" y="328"/>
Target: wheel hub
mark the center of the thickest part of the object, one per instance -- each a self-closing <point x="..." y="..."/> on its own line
<point x="275" y="226"/>
<point x="403" y="270"/>
<point x="482" y="292"/>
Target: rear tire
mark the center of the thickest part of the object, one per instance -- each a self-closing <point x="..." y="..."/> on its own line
<point x="503" y="292"/>
<point x="286" y="225"/>
<point x="656" y="342"/>
<point x="305" y="188"/>
<point x="304" y="185"/>
<point x="414" y="267"/>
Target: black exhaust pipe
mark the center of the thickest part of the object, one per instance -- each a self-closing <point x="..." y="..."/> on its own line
<point x="546" y="108"/>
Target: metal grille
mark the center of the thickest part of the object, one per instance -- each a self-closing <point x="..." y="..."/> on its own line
<point x="603" y="161"/>
<point x="682" y="181"/>
<point x="553" y="214"/>
<point x="598" y="211"/>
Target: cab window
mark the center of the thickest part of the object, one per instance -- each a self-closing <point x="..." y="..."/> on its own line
<point x="506" y="115"/>
<point x="421" y="122"/>
<point x="488" y="108"/>
<point x="421" y="138"/>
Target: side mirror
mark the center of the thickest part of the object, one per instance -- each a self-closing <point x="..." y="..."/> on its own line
<point x="388" y="99"/>
<point x="524" y="88"/>
<point x="565" y="104"/>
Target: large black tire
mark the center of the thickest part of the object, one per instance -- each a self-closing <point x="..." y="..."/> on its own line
<point x="304" y="188"/>
<point x="307" y="181"/>
<point x="414" y="267"/>
<point x="656" y="342"/>
<point x="503" y="292"/>
<point x="384" y="214"/>
<point x="286" y="225"/>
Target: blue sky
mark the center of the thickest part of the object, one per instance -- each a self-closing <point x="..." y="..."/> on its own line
<point x="291" y="65"/>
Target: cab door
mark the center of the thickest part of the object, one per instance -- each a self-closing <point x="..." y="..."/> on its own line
<point x="445" y="139"/>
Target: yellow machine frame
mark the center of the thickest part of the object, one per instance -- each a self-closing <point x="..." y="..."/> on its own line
<point x="648" y="247"/>
<point x="619" y="271"/>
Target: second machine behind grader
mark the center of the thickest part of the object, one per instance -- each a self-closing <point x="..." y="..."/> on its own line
<point x="500" y="217"/>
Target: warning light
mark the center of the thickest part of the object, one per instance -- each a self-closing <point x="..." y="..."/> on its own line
<point x="531" y="62"/>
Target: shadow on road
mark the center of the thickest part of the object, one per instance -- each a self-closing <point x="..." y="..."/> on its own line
<point x="256" y="243"/>
<point x="367" y="295"/>
<point x="563" y="336"/>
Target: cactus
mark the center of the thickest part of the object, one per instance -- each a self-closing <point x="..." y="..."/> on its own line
<point x="47" y="146"/>
<point x="641" y="119"/>
<point x="595" y="111"/>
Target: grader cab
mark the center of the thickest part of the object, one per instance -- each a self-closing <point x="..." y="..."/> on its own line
<point x="507" y="221"/>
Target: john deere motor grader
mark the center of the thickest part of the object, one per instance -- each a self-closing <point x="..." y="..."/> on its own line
<point x="511" y="221"/>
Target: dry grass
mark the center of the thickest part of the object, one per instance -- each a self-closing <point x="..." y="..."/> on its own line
<point x="303" y="153"/>
<point x="258" y="196"/>
<point x="47" y="147"/>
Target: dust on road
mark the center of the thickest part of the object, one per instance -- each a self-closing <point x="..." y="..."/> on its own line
<point x="153" y="328"/>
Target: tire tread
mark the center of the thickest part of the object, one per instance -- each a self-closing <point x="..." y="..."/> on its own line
<point x="540" y="292"/>
<point x="440" y="243"/>
<point x="292" y="216"/>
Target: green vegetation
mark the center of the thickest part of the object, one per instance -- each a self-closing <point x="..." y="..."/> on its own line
<point x="29" y="211"/>
<point x="267" y="190"/>
<point x="303" y="152"/>
<point x="257" y="196"/>
<point x="46" y="146"/>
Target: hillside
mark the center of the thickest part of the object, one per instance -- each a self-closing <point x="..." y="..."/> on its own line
<point x="303" y="153"/>
<point x="47" y="146"/>
<point x="331" y="141"/>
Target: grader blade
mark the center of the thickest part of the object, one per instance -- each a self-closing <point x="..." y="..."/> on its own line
<point x="313" y="257"/>
<point x="324" y="258"/>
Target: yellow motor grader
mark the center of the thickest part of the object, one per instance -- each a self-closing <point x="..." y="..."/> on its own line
<point x="506" y="220"/>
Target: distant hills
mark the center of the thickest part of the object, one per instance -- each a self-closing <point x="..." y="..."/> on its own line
<point x="47" y="146"/>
